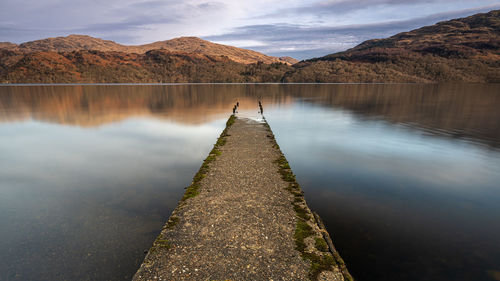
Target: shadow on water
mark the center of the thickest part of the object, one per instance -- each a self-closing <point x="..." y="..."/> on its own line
<point x="405" y="176"/>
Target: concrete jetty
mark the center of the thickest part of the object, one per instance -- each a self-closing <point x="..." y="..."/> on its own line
<point x="244" y="217"/>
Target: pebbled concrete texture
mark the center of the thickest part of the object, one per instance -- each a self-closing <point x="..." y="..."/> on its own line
<point x="241" y="224"/>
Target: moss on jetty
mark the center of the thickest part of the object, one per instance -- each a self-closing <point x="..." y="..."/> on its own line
<point x="321" y="244"/>
<point x="193" y="189"/>
<point x="321" y="257"/>
<point x="159" y="243"/>
<point x="172" y="222"/>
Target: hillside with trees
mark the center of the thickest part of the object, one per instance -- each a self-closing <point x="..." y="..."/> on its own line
<point x="156" y="66"/>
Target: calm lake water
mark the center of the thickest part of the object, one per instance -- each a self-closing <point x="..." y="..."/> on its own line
<point x="406" y="177"/>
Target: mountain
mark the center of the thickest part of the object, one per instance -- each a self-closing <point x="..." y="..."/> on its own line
<point x="7" y="45"/>
<point x="183" y="44"/>
<point x="197" y="45"/>
<point x="68" y="44"/>
<point x="459" y="50"/>
<point x="476" y="36"/>
<point x="288" y="60"/>
<point x="466" y="50"/>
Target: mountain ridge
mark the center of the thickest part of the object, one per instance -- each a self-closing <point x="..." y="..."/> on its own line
<point x="471" y="36"/>
<point x="462" y="50"/>
<point x="76" y="42"/>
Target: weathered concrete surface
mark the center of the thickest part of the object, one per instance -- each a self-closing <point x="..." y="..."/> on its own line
<point x="241" y="224"/>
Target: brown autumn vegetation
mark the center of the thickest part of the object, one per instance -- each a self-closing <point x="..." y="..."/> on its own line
<point x="460" y="50"/>
<point x="182" y="44"/>
<point x="117" y="67"/>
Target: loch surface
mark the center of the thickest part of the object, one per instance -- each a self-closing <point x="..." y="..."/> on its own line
<point x="404" y="176"/>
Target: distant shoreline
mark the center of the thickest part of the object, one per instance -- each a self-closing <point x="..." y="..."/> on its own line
<point x="262" y="83"/>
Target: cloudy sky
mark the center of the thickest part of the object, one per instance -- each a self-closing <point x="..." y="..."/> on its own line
<point x="301" y="29"/>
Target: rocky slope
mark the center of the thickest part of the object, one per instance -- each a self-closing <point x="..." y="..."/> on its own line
<point x="465" y="50"/>
<point x="477" y="36"/>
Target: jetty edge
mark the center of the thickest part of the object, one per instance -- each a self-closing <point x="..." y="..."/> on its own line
<point x="244" y="217"/>
<point x="324" y="242"/>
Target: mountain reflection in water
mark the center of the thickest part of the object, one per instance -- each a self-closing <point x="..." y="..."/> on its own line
<point x="455" y="110"/>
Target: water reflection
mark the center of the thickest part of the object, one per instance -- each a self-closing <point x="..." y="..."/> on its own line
<point x="454" y="110"/>
<point x="405" y="176"/>
<point x="97" y="105"/>
<point x="83" y="204"/>
<point x="466" y="111"/>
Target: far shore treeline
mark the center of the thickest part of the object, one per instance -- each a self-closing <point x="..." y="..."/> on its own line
<point x="460" y="50"/>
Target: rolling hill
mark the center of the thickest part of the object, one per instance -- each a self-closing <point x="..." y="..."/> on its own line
<point x="183" y="44"/>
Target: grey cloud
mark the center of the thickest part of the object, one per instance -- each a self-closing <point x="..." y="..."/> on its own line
<point x="136" y="23"/>
<point x="22" y="34"/>
<point x="349" y="5"/>
<point x="211" y="5"/>
<point x="175" y="5"/>
<point x="345" y="6"/>
<point x="148" y="14"/>
<point x="151" y="4"/>
<point x="304" y="42"/>
<point x="125" y="30"/>
<point x="125" y="22"/>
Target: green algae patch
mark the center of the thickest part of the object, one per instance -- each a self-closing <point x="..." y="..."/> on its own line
<point x="321" y="245"/>
<point x="318" y="264"/>
<point x="172" y="222"/>
<point x="300" y="211"/>
<point x="302" y="231"/>
<point x="159" y="243"/>
<point x="230" y="121"/>
<point x="285" y="171"/>
<point x="162" y="243"/>
<point x="193" y="189"/>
